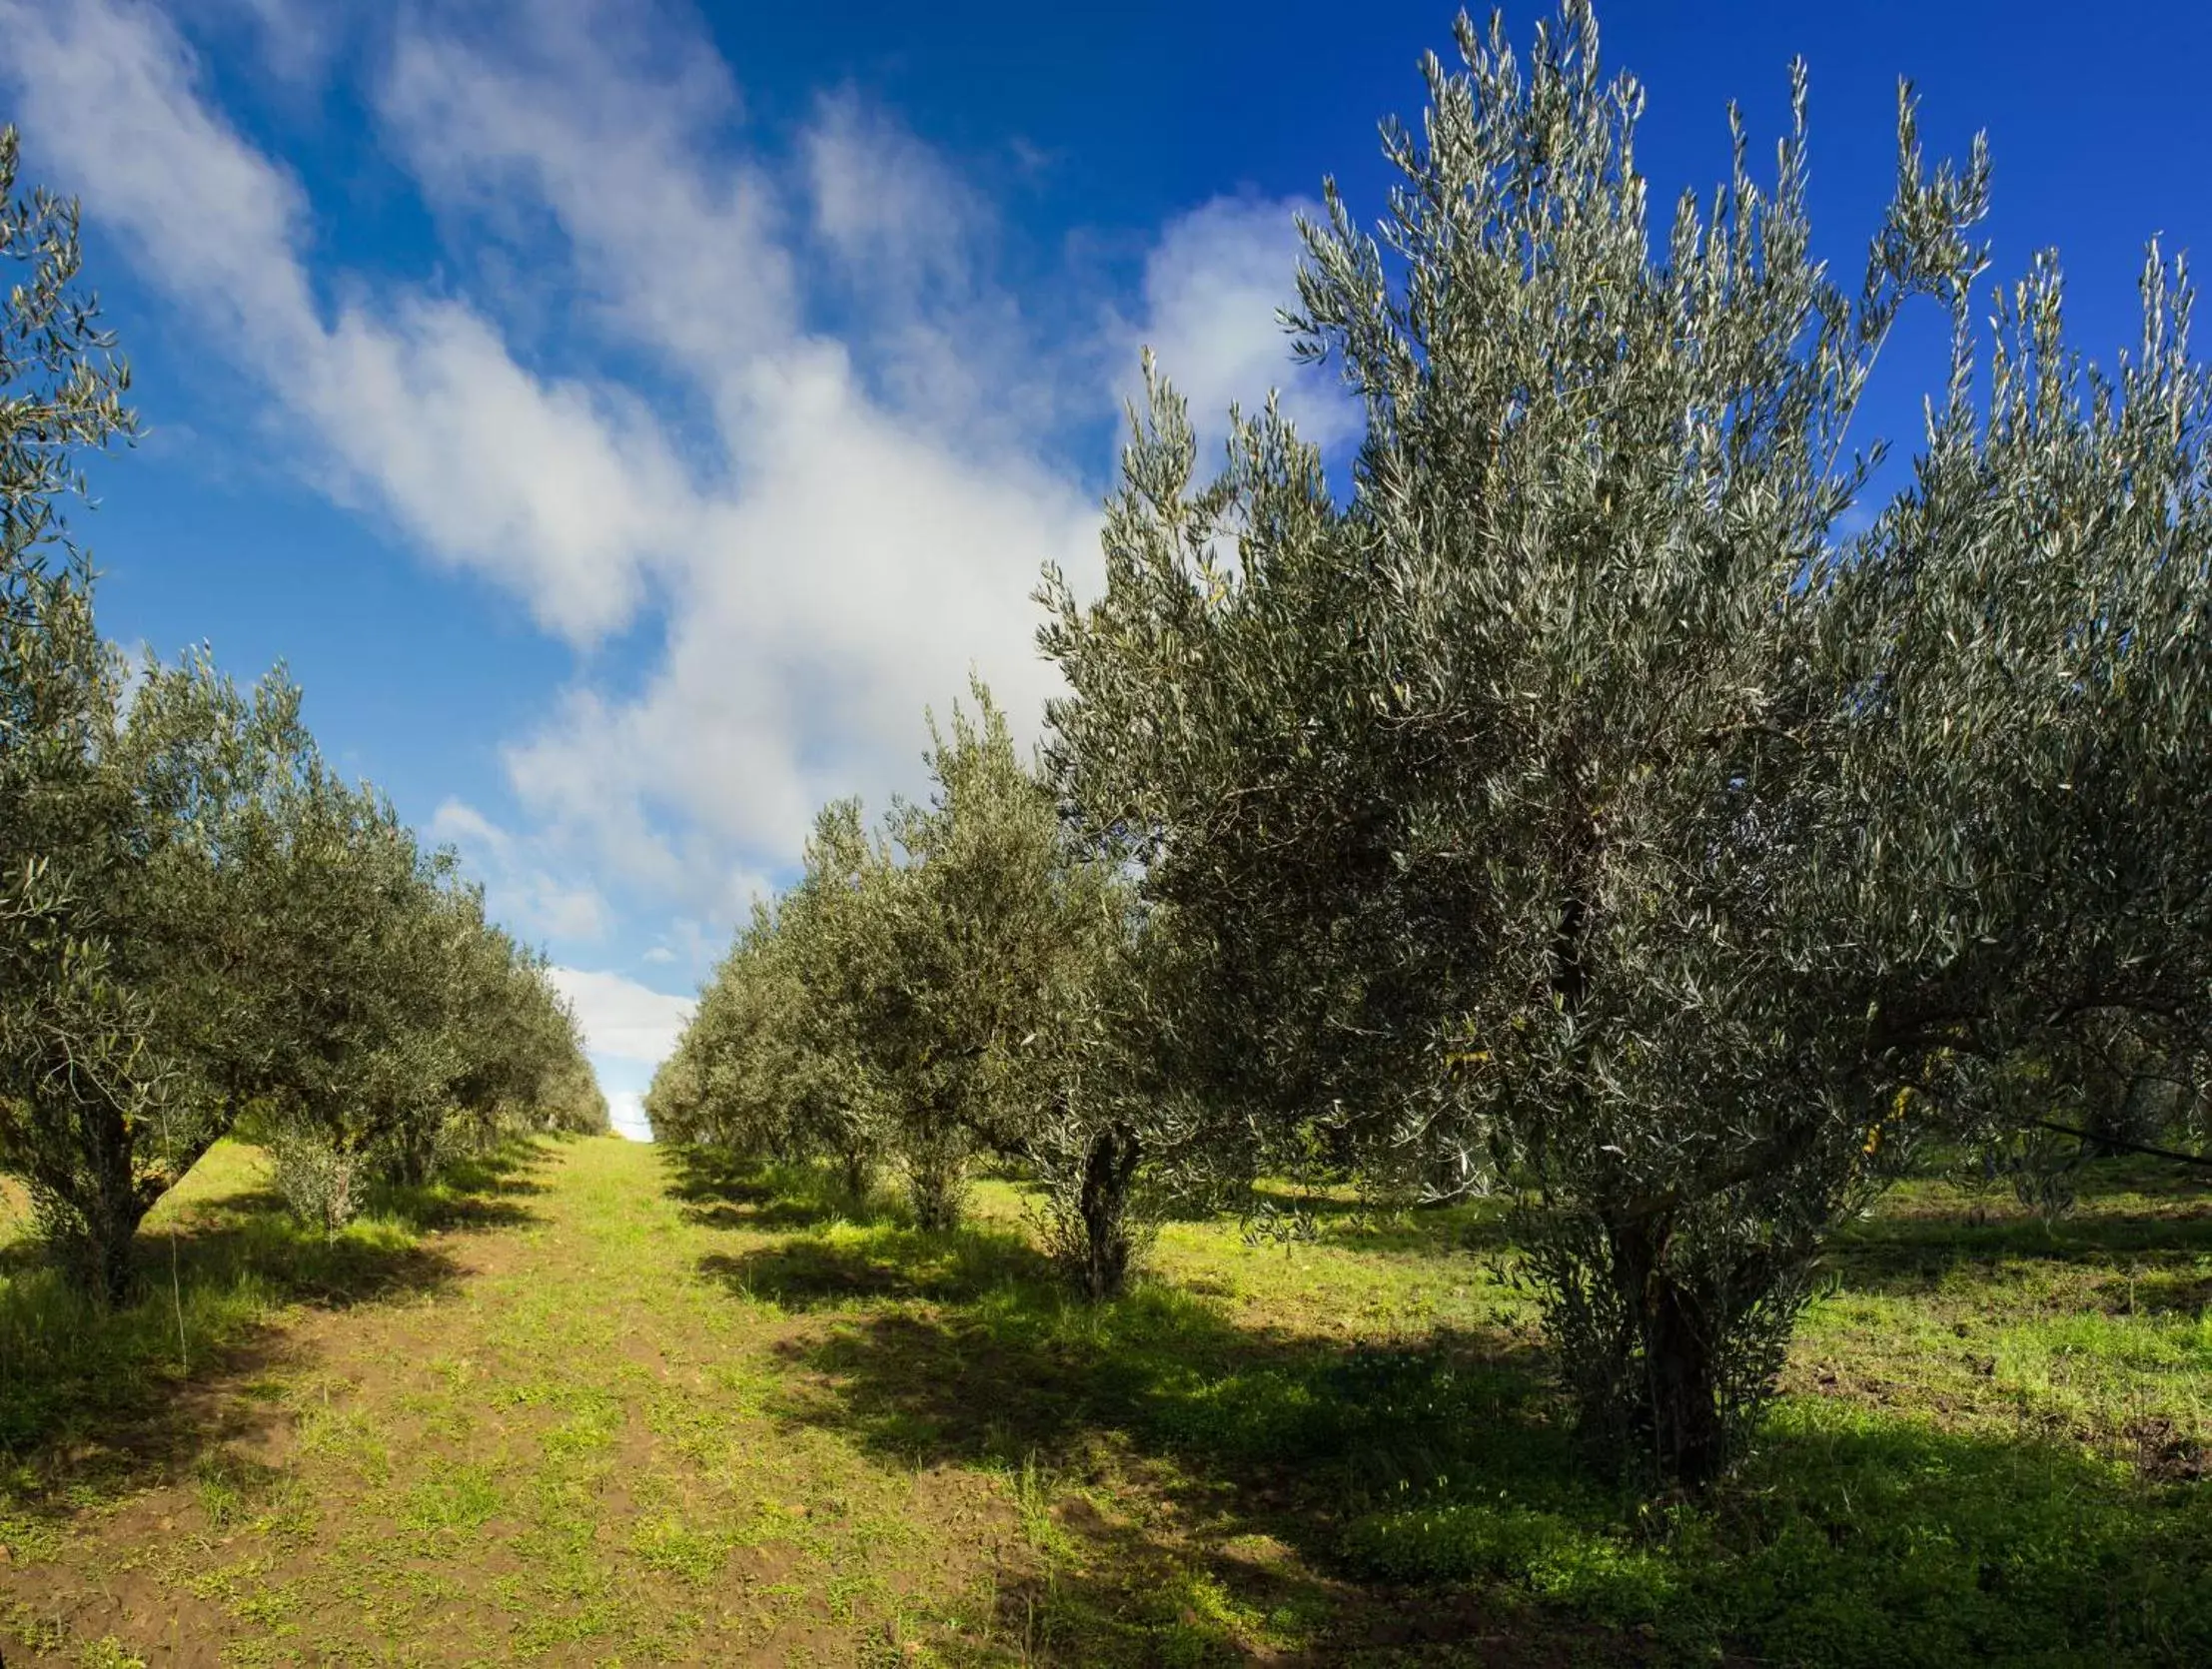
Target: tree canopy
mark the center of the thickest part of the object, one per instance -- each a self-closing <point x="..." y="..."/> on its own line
<point x="1614" y="793"/>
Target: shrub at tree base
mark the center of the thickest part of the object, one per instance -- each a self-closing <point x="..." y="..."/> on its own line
<point x="319" y="1181"/>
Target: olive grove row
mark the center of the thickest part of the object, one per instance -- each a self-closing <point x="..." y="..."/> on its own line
<point x="1610" y="789"/>
<point x="202" y="926"/>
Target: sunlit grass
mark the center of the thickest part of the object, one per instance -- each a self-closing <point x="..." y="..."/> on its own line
<point x="597" y="1402"/>
<point x="218" y="1259"/>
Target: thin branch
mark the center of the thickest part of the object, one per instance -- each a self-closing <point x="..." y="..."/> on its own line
<point x="2204" y="1160"/>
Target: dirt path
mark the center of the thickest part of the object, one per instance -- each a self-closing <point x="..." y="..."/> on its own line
<point x="584" y="1442"/>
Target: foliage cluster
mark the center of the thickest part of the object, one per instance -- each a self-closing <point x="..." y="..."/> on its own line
<point x="199" y="922"/>
<point x="952" y="983"/>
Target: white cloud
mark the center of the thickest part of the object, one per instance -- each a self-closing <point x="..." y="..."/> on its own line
<point x="559" y="490"/>
<point x="840" y="511"/>
<point x="621" y="1019"/>
<point x="856" y="585"/>
<point x="612" y="117"/>
<point x="297" y="39"/>
<point x="1212" y="286"/>
<point x="884" y="200"/>
<point x="519" y="887"/>
<point x="885" y="513"/>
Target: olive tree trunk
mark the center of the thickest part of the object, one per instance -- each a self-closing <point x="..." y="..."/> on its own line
<point x="1108" y="1240"/>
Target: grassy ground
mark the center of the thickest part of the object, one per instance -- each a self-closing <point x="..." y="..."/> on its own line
<point x="603" y="1404"/>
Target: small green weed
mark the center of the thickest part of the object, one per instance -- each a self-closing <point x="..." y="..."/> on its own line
<point x="694" y="1554"/>
<point x="109" y="1653"/>
<point x="454" y="1500"/>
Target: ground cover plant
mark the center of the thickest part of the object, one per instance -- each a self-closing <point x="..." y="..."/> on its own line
<point x="599" y="1403"/>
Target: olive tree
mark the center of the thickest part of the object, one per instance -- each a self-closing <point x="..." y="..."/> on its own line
<point x="766" y="1066"/>
<point x="1097" y="1131"/>
<point x="956" y="981"/>
<point x="88" y="1114"/>
<point x="990" y="938"/>
<point x="61" y="382"/>
<point x="879" y="1006"/>
<point x="195" y="917"/>
<point x="133" y="1027"/>
<point x="361" y="935"/>
<point x="61" y="395"/>
<point x="801" y="1067"/>
<point x="522" y="1065"/>
<point x="1612" y="794"/>
<point x="675" y="1101"/>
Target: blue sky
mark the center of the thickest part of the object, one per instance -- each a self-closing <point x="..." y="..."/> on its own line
<point x="623" y="417"/>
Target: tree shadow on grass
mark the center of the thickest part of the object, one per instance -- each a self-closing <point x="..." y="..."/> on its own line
<point x="995" y="1361"/>
<point x="1363" y="1225"/>
<point x="962" y="1349"/>
<point x="883" y="1261"/>
<point x="1410" y="1480"/>
<point x="720" y="1190"/>
<point x="710" y="1176"/>
<point x="1910" y="1250"/>
<point x="1856" y="1538"/>
<point x="1434" y="1231"/>
<point x="474" y="1192"/>
<point x="150" y="1382"/>
<point x="1432" y="1498"/>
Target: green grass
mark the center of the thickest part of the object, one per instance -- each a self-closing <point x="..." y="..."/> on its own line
<point x="219" y="1258"/>
<point x="598" y="1403"/>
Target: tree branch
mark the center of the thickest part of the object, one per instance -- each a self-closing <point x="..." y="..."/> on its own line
<point x="2204" y="1160"/>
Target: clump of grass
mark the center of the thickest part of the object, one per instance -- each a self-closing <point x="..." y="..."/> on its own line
<point x="109" y="1653"/>
<point x="1035" y="1489"/>
<point x="1586" y="1570"/>
<point x="1854" y="1539"/>
<point x="455" y="1501"/>
<point x="691" y="1552"/>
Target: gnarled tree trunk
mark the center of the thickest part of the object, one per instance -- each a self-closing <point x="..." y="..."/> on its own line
<point x="1109" y="1246"/>
<point x="1676" y="1411"/>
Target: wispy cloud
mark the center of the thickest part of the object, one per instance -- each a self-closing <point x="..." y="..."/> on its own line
<point x="871" y="537"/>
<point x="522" y="888"/>
<point x="1213" y="285"/>
<point x="563" y="491"/>
<point x="819" y="500"/>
